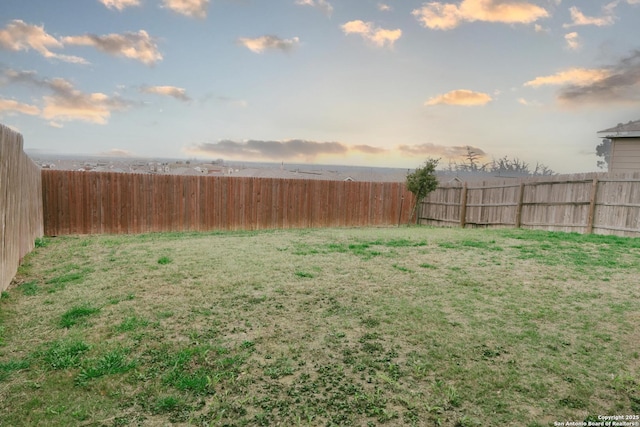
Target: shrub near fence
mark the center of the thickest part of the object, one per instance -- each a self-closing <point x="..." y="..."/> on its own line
<point x="584" y="203"/>
<point x="103" y="202"/>
<point x="20" y="204"/>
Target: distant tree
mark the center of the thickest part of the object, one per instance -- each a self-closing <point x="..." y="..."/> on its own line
<point x="604" y="150"/>
<point x="422" y="182"/>
<point x="515" y="166"/>
<point x="472" y="159"/>
<point x="543" y="170"/>
<point x="471" y="163"/>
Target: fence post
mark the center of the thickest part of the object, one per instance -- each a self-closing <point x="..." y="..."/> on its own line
<point x="519" y="208"/>
<point x="463" y="206"/>
<point x="592" y="206"/>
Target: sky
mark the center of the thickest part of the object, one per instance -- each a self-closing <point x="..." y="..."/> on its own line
<point x="385" y="83"/>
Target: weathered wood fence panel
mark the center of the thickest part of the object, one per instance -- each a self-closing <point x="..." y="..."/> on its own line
<point x="557" y="205"/>
<point x="618" y="206"/>
<point x="103" y="202"/>
<point x="442" y="207"/>
<point x="492" y="205"/>
<point x="20" y="204"/>
<point x="583" y="203"/>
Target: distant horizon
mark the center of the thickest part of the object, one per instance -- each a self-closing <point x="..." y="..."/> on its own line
<point x="340" y="168"/>
<point x="72" y="156"/>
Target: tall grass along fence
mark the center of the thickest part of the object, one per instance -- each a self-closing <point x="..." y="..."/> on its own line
<point x="583" y="203"/>
<point x="104" y="202"/>
<point x="20" y="204"/>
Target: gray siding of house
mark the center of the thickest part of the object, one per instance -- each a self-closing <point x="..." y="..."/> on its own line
<point x="625" y="155"/>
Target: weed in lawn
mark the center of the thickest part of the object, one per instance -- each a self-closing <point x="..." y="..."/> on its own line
<point x="371" y="322"/>
<point x="119" y="299"/>
<point x="41" y="242"/>
<point x="249" y="345"/>
<point x="471" y="244"/>
<point x="402" y="268"/>
<point x="278" y="369"/>
<point x="167" y="404"/>
<point x="131" y="324"/>
<point x="71" y="275"/>
<point x="304" y="274"/>
<point x="6" y="368"/>
<point x="112" y="362"/>
<point x="63" y="354"/>
<point x="402" y="243"/>
<point x="428" y="266"/>
<point x="76" y="315"/>
<point x="198" y="381"/>
<point x="30" y="288"/>
<point x="364" y="249"/>
<point x="164" y="260"/>
<point x="466" y="421"/>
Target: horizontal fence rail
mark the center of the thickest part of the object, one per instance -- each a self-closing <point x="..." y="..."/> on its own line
<point x="20" y="204"/>
<point x="583" y="203"/>
<point x="104" y="202"/>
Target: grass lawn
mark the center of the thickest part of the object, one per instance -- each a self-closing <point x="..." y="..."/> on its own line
<point x="395" y="326"/>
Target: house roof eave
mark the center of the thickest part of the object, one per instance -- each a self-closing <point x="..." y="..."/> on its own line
<point x="619" y="134"/>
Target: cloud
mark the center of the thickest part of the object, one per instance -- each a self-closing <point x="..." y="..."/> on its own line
<point x="621" y="84"/>
<point x="428" y="149"/>
<point x="279" y="150"/>
<point x="384" y="7"/>
<point x="23" y="77"/>
<point x="573" y="40"/>
<point x="526" y="103"/>
<point x="607" y="18"/>
<point x="138" y="46"/>
<point x="69" y="104"/>
<point x="633" y="1"/>
<point x="66" y="103"/>
<point x="368" y="149"/>
<point x="191" y="8"/>
<point x="378" y="36"/>
<point x="10" y="105"/>
<point x="260" y="44"/>
<point x="56" y="125"/>
<point x="540" y="29"/>
<point x="573" y="76"/>
<point x="20" y="36"/>
<point x="446" y="16"/>
<point x="119" y="4"/>
<point x="302" y="149"/>
<point x="322" y="5"/>
<point x="176" y="92"/>
<point x="460" y="97"/>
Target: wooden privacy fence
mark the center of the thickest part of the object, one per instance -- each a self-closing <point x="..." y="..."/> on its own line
<point x="20" y="204"/>
<point x="584" y="203"/>
<point x="105" y="202"/>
